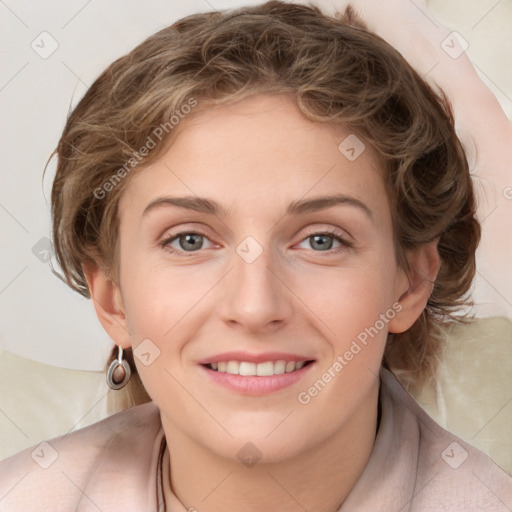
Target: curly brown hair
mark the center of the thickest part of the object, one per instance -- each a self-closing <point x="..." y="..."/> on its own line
<point x="338" y="72"/>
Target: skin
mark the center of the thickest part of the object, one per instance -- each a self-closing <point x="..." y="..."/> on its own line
<point x="255" y="157"/>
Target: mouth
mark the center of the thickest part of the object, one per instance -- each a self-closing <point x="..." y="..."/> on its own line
<point x="261" y="376"/>
<point x="264" y="369"/>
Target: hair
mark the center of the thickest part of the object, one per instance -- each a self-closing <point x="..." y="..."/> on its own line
<point x="338" y="72"/>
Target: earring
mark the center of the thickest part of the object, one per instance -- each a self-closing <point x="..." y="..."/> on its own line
<point x="119" y="372"/>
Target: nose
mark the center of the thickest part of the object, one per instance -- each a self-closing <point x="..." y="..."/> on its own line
<point x="255" y="296"/>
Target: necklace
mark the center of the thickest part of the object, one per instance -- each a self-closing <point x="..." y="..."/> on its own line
<point x="159" y="477"/>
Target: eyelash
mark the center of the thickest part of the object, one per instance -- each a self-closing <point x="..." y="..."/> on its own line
<point x="344" y="244"/>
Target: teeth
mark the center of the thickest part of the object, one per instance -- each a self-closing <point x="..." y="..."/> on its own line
<point x="266" y="369"/>
<point x="262" y="369"/>
<point x="233" y="367"/>
<point x="245" y="368"/>
<point x="279" y="367"/>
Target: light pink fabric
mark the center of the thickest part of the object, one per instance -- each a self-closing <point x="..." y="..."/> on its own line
<point x="113" y="465"/>
<point x="418" y="466"/>
<point x="108" y="466"/>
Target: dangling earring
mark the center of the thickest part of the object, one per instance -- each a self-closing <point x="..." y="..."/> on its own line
<point x="118" y="373"/>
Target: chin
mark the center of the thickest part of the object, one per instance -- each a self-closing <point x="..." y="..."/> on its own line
<point x="271" y="446"/>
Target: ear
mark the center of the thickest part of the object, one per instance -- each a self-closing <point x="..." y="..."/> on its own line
<point x="415" y="287"/>
<point x="108" y="303"/>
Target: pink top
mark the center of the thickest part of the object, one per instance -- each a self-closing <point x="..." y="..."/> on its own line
<point x="116" y="464"/>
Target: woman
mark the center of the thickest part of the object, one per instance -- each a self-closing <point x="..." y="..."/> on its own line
<point x="269" y="210"/>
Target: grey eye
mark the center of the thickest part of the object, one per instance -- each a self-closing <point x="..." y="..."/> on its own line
<point x="190" y="241"/>
<point x="321" y="242"/>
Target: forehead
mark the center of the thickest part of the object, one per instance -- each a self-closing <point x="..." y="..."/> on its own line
<point x="258" y="151"/>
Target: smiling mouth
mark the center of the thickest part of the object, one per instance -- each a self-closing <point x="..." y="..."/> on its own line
<point x="249" y="369"/>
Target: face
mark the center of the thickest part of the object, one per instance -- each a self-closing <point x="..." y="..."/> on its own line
<point x="230" y="252"/>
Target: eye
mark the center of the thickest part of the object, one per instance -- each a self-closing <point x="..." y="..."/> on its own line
<point x="191" y="241"/>
<point x="323" y="241"/>
<point x="185" y="241"/>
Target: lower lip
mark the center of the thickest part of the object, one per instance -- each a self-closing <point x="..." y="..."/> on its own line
<point x="254" y="385"/>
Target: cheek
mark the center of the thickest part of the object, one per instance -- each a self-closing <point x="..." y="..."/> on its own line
<point x="160" y="317"/>
<point x="359" y="312"/>
<point x="157" y="298"/>
<point x="352" y="298"/>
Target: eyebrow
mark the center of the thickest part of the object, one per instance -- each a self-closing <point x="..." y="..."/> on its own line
<point x="209" y="206"/>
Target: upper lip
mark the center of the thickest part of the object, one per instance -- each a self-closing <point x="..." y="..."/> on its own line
<point x="254" y="358"/>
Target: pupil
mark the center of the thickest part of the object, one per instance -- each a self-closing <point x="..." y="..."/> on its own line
<point x="191" y="240"/>
<point x="322" y="245"/>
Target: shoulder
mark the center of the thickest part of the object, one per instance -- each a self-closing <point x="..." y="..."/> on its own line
<point x="68" y="472"/>
<point x="451" y="474"/>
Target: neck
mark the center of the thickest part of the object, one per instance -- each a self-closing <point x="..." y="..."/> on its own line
<point x="318" y="479"/>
